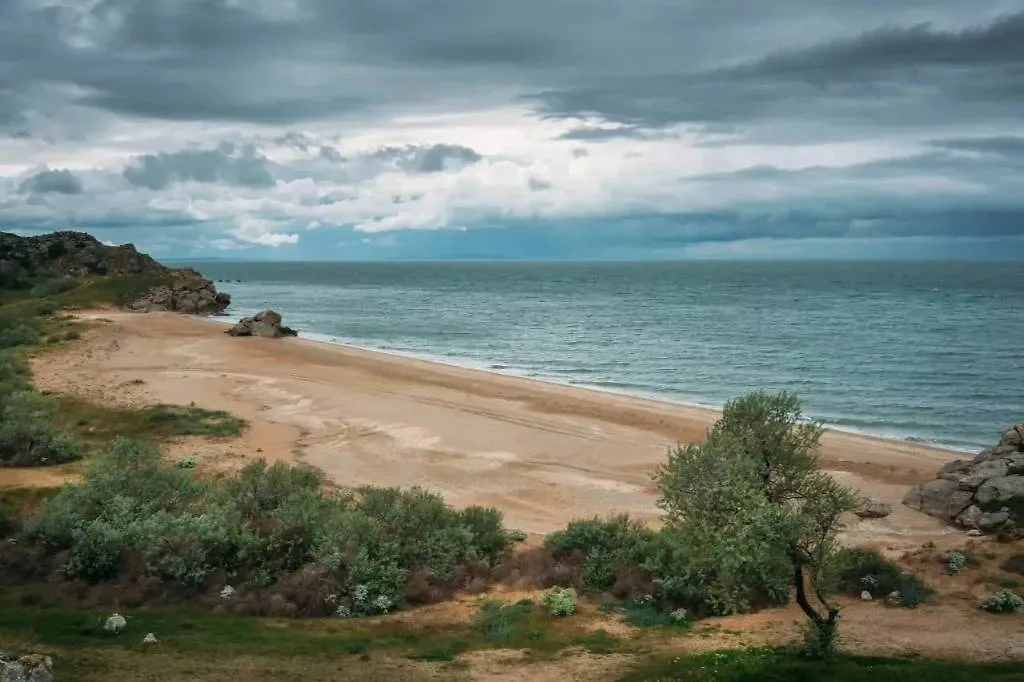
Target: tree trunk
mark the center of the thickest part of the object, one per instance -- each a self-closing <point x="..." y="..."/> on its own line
<point x="801" y="592"/>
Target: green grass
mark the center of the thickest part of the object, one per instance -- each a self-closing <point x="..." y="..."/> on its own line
<point x="440" y="651"/>
<point x="96" y="425"/>
<point x="14" y="500"/>
<point x="646" y="616"/>
<point x="17" y="504"/>
<point x="116" y="291"/>
<point x="200" y="633"/>
<point x="782" y="665"/>
<point x="79" y="293"/>
<point x="210" y="640"/>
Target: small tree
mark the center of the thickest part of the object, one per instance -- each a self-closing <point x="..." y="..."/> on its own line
<point x="755" y="496"/>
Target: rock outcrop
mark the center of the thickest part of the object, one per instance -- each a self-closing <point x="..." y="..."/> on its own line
<point x="184" y="291"/>
<point x="985" y="493"/>
<point x="71" y="254"/>
<point x="31" y="668"/>
<point x="266" y="324"/>
<point x="77" y="255"/>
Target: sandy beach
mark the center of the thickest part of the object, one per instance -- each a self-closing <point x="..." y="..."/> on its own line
<point x="542" y="452"/>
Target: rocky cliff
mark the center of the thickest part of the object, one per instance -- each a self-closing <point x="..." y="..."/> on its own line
<point x="985" y="493"/>
<point x="78" y="255"/>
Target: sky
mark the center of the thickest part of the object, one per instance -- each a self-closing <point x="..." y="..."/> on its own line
<point x="595" y="129"/>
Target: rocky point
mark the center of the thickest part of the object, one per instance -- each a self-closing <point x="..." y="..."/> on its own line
<point x="985" y="493"/>
<point x="79" y="255"/>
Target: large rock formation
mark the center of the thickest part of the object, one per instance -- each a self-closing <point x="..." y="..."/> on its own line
<point x="71" y="254"/>
<point x="985" y="493"/>
<point x="76" y="255"/>
<point x="266" y="324"/>
<point x="182" y="290"/>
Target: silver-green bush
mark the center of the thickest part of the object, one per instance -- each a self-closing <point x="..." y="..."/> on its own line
<point x="559" y="601"/>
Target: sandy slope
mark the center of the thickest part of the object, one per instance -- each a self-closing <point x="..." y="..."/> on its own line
<point x="542" y="452"/>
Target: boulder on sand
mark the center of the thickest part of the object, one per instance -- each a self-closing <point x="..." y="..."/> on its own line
<point x="984" y="494"/>
<point x="266" y="324"/>
<point x="871" y="508"/>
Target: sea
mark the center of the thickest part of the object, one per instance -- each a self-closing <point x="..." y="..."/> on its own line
<point x="929" y="351"/>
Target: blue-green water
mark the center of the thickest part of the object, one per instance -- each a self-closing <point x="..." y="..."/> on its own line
<point x="912" y="349"/>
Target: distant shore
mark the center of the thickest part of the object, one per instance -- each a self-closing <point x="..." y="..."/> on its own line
<point x="543" y="452"/>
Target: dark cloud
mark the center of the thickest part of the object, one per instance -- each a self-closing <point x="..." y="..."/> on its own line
<point x="428" y="159"/>
<point x="892" y="77"/>
<point x="47" y="181"/>
<point x="203" y="59"/>
<point x="915" y="80"/>
<point x="331" y="154"/>
<point x="228" y="164"/>
<point x="1005" y="145"/>
<point x="600" y="134"/>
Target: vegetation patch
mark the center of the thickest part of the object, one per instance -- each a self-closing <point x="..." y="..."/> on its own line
<point x="644" y="613"/>
<point x="1003" y="601"/>
<point x="29" y="432"/>
<point x="785" y="665"/>
<point x="504" y="623"/>
<point x="855" y="570"/>
<point x="283" y="545"/>
<point x="559" y="602"/>
<point x="610" y="553"/>
<point x="52" y="287"/>
<point x="100" y="424"/>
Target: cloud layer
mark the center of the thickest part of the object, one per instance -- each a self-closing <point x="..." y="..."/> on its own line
<point x="311" y="128"/>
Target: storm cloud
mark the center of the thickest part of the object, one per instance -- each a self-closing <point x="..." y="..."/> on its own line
<point x="52" y="181"/>
<point x="646" y="125"/>
<point x="226" y="164"/>
<point x="428" y="159"/>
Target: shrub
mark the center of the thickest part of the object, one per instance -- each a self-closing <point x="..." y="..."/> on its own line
<point x="856" y="569"/>
<point x="643" y="612"/>
<point x="27" y="434"/>
<point x="1003" y="601"/>
<point x="488" y="539"/>
<point x="186" y="548"/>
<point x="426" y="532"/>
<point x="913" y="591"/>
<point x="955" y="562"/>
<point x="18" y="335"/>
<point x="559" y="602"/>
<point x="271" y="526"/>
<point x="53" y="287"/>
<point x="46" y="308"/>
<point x="72" y="335"/>
<point x="126" y="482"/>
<point x="608" y="548"/>
<point x="14" y="373"/>
<point x="500" y="622"/>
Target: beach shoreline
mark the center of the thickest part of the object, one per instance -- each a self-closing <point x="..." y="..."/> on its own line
<point x="541" y="451"/>
<point x="507" y="371"/>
